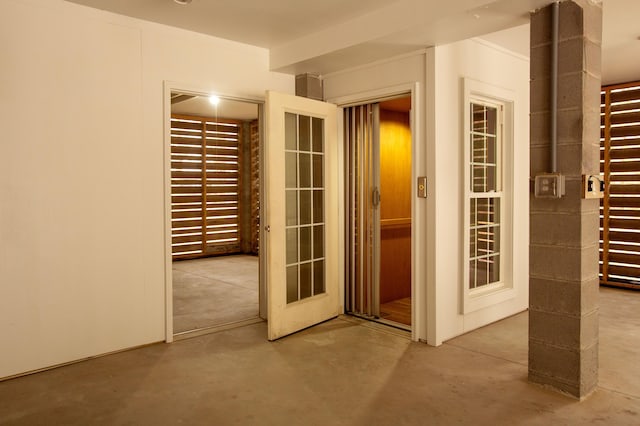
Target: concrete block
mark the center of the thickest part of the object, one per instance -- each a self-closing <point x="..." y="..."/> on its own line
<point x="588" y="370"/>
<point x="590" y="122"/>
<point x="590" y="227"/>
<point x="555" y="228"/>
<point x="570" y="125"/>
<point x="590" y="261"/>
<point x="555" y="262"/>
<point x="570" y="88"/>
<point x="592" y="57"/>
<point x="561" y="364"/>
<point x="589" y="159"/>
<point x="591" y="86"/>
<point x="590" y="205"/>
<point x="556" y="329"/>
<point x="309" y="86"/>
<point x="571" y="20"/>
<point x="592" y="17"/>
<point x="539" y="133"/>
<point x="540" y="32"/>
<point x="563" y="263"/>
<point x="540" y="62"/>
<point x="539" y="293"/>
<point x="570" y="159"/>
<point x="574" y="372"/>
<point x="571" y="55"/>
<point x="539" y="161"/>
<point x="539" y="102"/>
<point x="589" y="329"/>
<point x="573" y="298"/>
<point x="569" y="388"/>
<point x="590" y="294"/>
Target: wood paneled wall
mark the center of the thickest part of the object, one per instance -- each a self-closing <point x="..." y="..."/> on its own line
<point x="395" y="205"/>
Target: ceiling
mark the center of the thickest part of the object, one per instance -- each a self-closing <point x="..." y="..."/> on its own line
<point x="264" y="23"/>
<point x="329" y="35"/>
<point x="620" y="40"/>
<point x="200" y="106"/>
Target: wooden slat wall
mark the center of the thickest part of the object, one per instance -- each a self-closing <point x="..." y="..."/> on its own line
<point x="255" y="186"/>
<point x="620" y="164"/>
<point x="205" y="182"/>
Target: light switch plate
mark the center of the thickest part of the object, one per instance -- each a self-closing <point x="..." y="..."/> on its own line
<point x="422" y="186"/>
<point x="549" y="185"/>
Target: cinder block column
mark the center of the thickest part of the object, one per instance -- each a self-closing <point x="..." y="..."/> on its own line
<point x="309" y="86"/>
<point x="563" y="284"/>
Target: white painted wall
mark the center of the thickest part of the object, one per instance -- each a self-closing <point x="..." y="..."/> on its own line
<point x="489" y="64"/>
<point x="439" y="156"/>
<point x="82" y="258"/>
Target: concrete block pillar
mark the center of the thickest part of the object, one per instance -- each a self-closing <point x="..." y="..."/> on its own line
<point x="309" y="86"/>
<point x="563" y="283"/>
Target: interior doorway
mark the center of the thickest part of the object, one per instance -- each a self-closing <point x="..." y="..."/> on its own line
<point x="378" y="189"/>
<point x="215" y="212"/>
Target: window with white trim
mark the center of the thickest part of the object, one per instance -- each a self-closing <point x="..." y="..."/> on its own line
<point x="484" y="193"/>
<point x="487" y="188"/>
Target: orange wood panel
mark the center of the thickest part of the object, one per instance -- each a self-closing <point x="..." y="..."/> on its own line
<point x="395" y="165"/>
<point x="395" y="263"/>
<point x="395" y="206"/>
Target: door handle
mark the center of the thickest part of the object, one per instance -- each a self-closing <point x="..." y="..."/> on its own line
<point x="376" y="197"/>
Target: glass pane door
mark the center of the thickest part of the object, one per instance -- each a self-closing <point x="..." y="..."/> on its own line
<point x="302" y="216"/>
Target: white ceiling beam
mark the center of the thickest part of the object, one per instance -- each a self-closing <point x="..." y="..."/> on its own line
<point x="401" y="26"/>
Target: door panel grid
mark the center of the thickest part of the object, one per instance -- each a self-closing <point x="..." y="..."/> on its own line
<point x="304" y="206"/>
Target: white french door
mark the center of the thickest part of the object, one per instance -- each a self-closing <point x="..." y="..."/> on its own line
<point x="301" y="226"/>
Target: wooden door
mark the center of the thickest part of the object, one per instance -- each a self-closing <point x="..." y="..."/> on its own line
<point x="302" y="217"/>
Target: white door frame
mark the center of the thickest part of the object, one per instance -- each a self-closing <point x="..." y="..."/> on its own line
<point x="171" y="86"/>
<point x="418" y="212"/>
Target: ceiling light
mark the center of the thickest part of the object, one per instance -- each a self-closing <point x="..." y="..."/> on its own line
<point x="214" y="100"/>
<point x="182" y="1"/>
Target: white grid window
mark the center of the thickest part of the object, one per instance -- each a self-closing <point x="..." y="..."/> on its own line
<point x="304" y="205"/>
<point x="485" y="193"/>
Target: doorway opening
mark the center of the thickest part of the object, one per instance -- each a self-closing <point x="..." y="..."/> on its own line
<point x="378" y="161"/>
<point x="215" y="213"/>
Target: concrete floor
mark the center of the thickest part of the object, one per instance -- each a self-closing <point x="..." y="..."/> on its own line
<point x="342" y="372"/>
<point x="213" y="291"/>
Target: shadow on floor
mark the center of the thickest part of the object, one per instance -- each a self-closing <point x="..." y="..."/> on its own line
<point x="341" y="372"/>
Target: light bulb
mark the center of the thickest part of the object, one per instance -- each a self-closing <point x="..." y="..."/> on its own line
<point x="214" y="100"/>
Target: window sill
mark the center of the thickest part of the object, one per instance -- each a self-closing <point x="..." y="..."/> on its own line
<point x="483" y="298"/>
